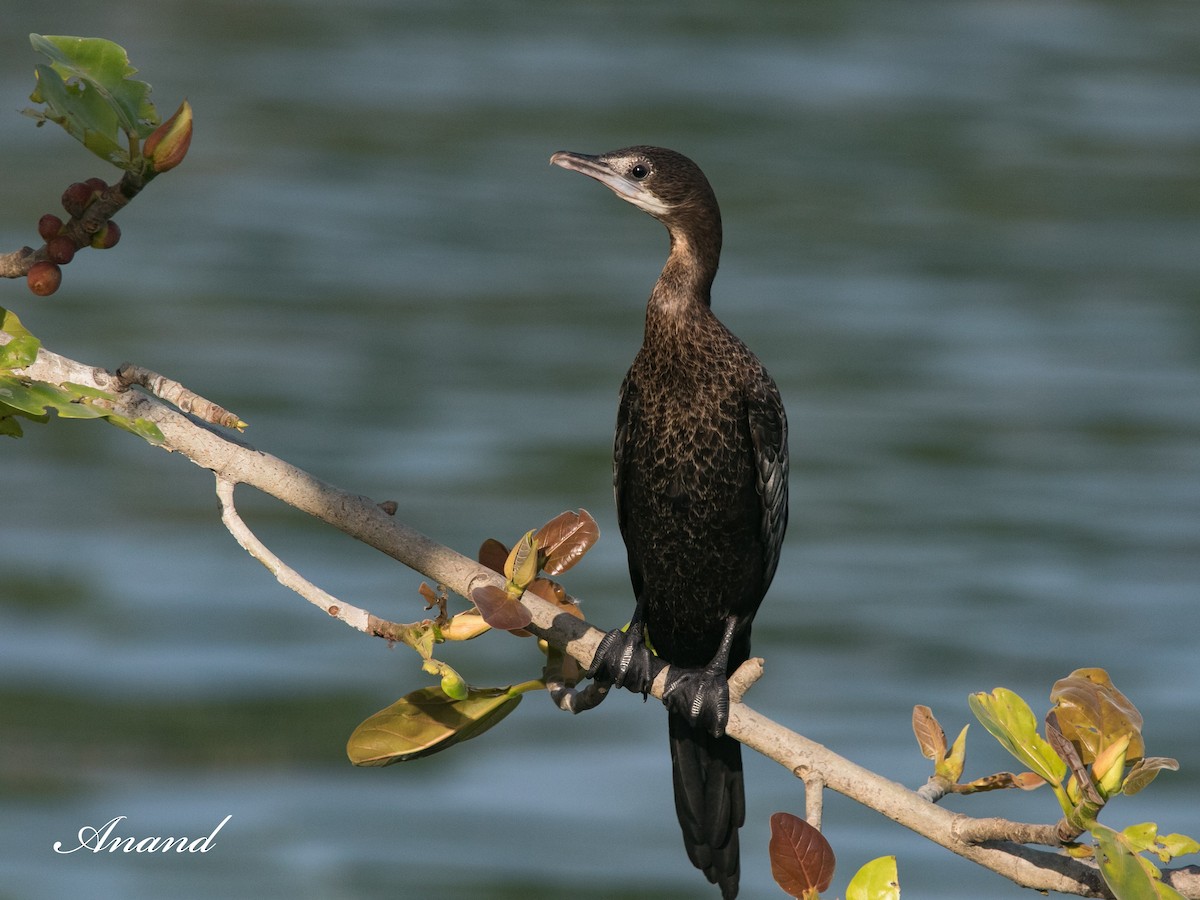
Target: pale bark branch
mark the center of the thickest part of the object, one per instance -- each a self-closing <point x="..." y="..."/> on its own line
<point x="989" y="842"/>
<point x="177" y="395"/>
<point x="356" y="618"/>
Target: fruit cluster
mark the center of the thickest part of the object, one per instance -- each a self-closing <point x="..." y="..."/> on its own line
<point x="44" y="277"/>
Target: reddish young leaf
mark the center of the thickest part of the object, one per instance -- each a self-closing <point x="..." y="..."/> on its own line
<point x="168" y="144"/>
<point x="1026" y="781"/>
<point x="492" y="554"/>
<point x="930" y="736"/>
<point x="429" y="594"/>
<point x="801" y="859"/>
<point x="565" y="538"/>
<point x="552" y="592"/>
<point x="498" y="609"/>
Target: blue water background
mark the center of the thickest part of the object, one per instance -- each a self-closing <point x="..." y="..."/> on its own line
<point x="963" y="237"/>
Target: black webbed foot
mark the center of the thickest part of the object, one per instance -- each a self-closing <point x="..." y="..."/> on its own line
<point x="701" y="696"/>
<point x="623" y="659"/>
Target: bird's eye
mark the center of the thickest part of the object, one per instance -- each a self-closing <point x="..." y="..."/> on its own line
<point x="639" y="171"/>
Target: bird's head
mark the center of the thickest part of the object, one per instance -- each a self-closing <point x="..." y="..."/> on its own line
<point x="661" y="182"/>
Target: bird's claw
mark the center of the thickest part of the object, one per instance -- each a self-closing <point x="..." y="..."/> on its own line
<point x="623" y="659"/>
<point x="701" y="696"/>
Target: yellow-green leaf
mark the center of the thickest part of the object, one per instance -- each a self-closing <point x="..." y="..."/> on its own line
<point x="952" y="766"/>
<point x="1009" y="719"/>
<point x="1176" y="845"/>
<point x="22" y="350"/>
<point x="1109" y="767"/>
<point x="426" y="722"/>
<point x="1120" y="867"/>
<point x="877" y="880"/>
<point x="521" y="567"/>
<point x="1139" y="838"/>
<point x="1166" y="892"/>
<point x="453" y="685"/>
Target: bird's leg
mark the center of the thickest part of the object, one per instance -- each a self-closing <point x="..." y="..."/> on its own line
<point x="702" y="695"/>
<point x="623" y="659"/>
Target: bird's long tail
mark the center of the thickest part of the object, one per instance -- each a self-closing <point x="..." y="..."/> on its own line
<point x="710" y="800"/>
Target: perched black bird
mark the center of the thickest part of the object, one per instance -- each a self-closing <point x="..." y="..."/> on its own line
<point x="700" y="466"/>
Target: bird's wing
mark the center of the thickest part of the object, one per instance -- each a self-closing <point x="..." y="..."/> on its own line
<point x="627" y="412"/>
<point x="768" y="433"/>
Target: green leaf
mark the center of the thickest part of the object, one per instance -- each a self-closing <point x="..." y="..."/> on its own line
<point x="143" y="428"/>
<point x="1166" y="892"/>
<point x="87" y="89"/>
<point x="22" y="350"/>
<point x="952" y="766"/>
<point x="1173" y="845"/>
<point x="1009" y="719"/>
<point x="19" y="352"/>
<point x="453" y="685"/>
<point x="877" y="880"/>
<point x="1121" y="868"/>
<point x="1139" y="838"/>
<point x="36" y="399"/>
<point x="521" y="567"/>
<point x="426" y="722"/>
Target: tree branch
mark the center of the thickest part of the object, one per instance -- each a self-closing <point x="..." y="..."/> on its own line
<point x="991" y="843"/>
<point x="78" y="229"/>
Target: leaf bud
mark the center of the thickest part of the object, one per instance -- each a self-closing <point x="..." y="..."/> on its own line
<point x="168" y="144"/>
<point x="1109" y="767"/>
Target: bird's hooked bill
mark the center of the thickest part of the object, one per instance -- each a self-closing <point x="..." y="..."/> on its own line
<point x="611" y="174"/>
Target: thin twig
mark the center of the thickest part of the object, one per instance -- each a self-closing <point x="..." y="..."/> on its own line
<point x="175" y="393"/>
<point x="814" y="797"/>
<point x="358" y="619"/>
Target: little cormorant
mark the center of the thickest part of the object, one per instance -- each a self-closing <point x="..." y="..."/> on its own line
<point x="700" y="466"/>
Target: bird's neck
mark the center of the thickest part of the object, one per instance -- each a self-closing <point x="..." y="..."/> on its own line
<point x="683" y="292"/>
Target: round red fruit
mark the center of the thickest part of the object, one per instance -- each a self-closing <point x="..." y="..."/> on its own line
<point x="106" y="238"/>
<point x="96" y="185"/>
<point x="44" y="278"/>
<point x="76" y="198"/>
<point x="60" y="250"/>
<point x="49" y="226"/>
